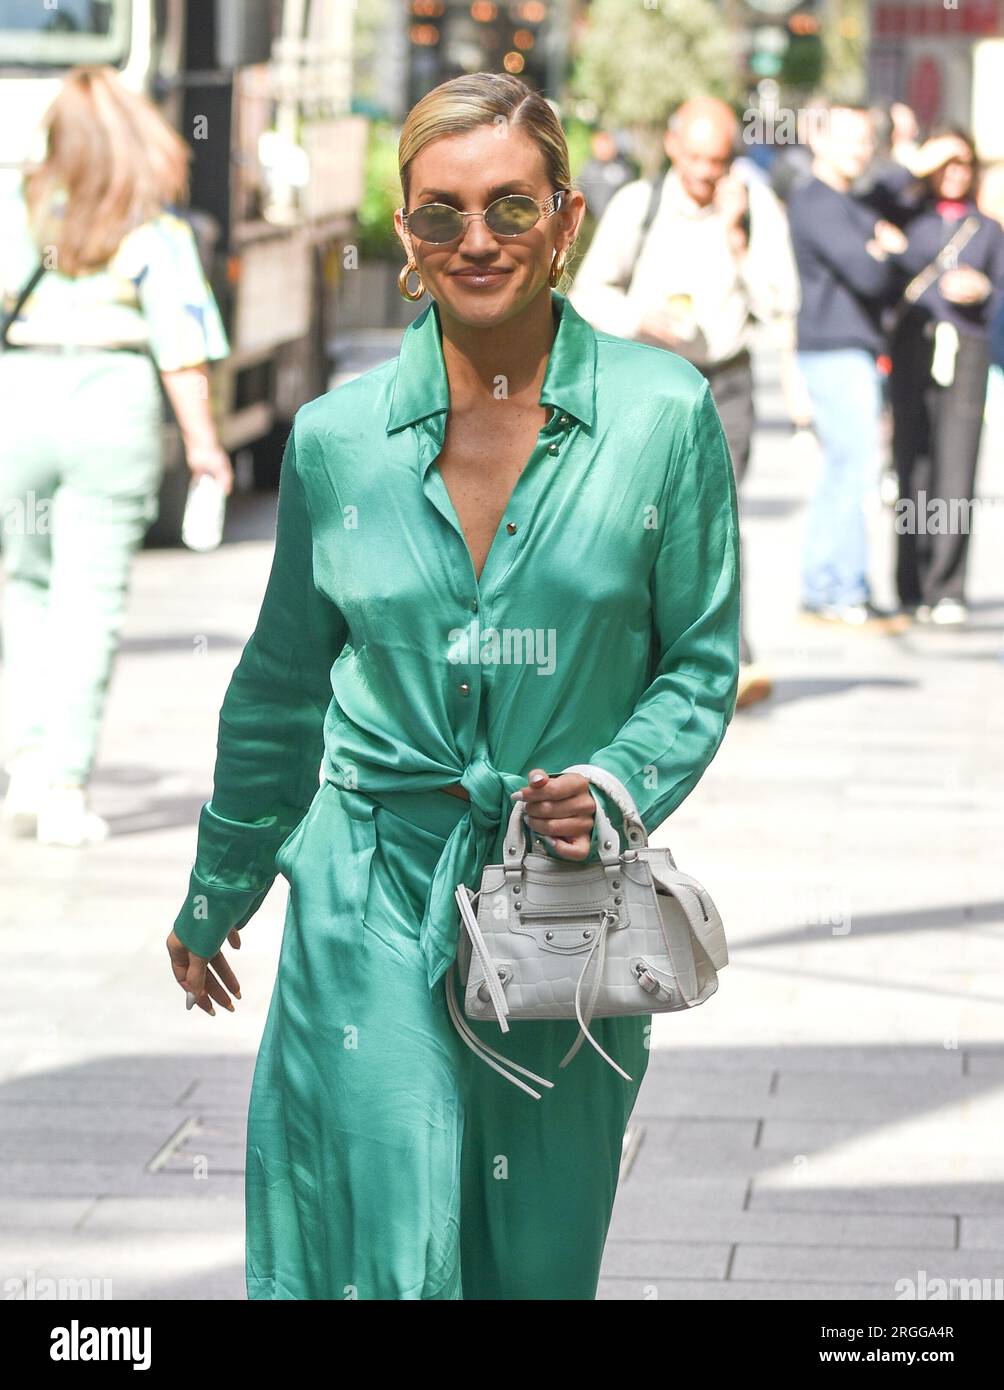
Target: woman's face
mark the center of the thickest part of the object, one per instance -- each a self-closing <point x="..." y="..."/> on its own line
<point x="480" y="279"/>
<point x="954" y="179"/>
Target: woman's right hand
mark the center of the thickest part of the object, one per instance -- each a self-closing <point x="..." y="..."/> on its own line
<point x="936" y="153"/>
<point x="193" y="974"/>
<point x="214" y="461"/>
<point x="965" y="285"/>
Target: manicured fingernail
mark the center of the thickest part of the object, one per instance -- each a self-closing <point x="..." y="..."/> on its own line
<point x="516" y="796"/>
<point x="237" y="992"/>
<point x="230" y="1007"/>
<point x="538" y="780"/>
<point x="189" y="999"/>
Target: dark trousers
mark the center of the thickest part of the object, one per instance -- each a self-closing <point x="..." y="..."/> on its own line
<point x="936" y="444"/>
<point x="732" y="389"/>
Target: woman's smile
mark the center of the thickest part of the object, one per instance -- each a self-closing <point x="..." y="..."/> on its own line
<point x="480" y="277"/>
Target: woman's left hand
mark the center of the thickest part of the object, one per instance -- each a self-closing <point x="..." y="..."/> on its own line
<point x="560" y="808"/>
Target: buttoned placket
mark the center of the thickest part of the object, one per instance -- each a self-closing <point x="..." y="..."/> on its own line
<point x="477" y="595"/>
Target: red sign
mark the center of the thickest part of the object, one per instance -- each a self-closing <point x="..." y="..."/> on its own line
<point x="898" y="19"/>
<point x="923" y="89"/>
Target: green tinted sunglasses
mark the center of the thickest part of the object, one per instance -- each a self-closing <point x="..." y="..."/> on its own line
<point x="512" y="215"/>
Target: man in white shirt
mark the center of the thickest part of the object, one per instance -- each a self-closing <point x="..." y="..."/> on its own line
<point x="716" y="255"/>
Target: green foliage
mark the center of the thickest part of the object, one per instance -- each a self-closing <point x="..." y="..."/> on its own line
<point x="637" y="64"/>
<point x="382" y="194"/>
<point x="577" y="134"/>
<point x="802" y="67"/>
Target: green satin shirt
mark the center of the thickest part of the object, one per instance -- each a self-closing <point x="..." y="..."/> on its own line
<point x="604" y="628"/>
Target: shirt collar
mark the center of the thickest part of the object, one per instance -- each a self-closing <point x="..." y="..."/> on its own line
<point x="681" y="202"/>
<point x="421" y="387"/>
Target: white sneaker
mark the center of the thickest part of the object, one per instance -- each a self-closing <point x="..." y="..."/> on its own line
<point x="27" y="785"/>
<point x="64" y="818"/>
<point x="949" y="612"/>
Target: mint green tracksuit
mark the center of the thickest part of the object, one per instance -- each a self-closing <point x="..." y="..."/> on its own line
<point x="80" y="471"/>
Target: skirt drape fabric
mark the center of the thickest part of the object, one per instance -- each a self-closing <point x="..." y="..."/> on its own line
<point x="384" y="1160"/>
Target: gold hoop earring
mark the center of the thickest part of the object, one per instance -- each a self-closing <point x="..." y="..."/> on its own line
<point x="557" y="269"/>
<point x="402" y="282"/>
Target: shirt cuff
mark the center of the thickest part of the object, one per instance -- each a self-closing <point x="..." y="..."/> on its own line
<point x="210" y="913"/>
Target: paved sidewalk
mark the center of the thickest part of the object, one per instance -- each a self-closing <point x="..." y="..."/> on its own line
<point x="831" y="1122"/>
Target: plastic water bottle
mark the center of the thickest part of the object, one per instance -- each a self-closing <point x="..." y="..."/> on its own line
<point x="205" y="512"/>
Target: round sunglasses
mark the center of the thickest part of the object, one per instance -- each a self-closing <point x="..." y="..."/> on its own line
<point x="512" y="215"/>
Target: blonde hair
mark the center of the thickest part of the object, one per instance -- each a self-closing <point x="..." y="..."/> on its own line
<point x="483" y="98"/>
<point x="118" y="160"/>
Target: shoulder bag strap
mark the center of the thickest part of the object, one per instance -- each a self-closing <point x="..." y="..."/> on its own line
<point x="19" y="303"/>
<point x="655" y="197"/>
<point x="926" y="277"/>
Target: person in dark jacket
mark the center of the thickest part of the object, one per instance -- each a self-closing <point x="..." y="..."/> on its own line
<point x="845" y="247"/>
<point x="941" y="355"/>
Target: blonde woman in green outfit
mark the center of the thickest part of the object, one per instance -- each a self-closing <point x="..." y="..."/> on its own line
<point x="122" y="298"/>
<point x="511" y="471"/>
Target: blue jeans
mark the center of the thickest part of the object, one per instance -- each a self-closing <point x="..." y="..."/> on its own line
<point x="845" y="391"/>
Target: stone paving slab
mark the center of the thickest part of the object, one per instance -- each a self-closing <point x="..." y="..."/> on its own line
<point x="901" y="1191"/>
<point x="643" y="1206"/>
<point x="848" y="1263"/>
<point x="736" y="1290"/>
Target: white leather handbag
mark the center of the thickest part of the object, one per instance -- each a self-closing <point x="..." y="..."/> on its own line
<point x="554" y="938"/>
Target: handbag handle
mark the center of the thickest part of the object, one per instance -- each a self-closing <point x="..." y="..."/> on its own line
<point x="514" y="849"/>
<point x="634" y="827"/>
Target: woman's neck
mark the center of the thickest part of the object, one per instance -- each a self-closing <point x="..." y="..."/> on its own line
<point x="509" y="357"/>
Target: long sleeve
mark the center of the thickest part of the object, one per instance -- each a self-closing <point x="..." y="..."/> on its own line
<point x="602" y="281"/>
<point x="270" y="740"/>
<point x="663" y="749"/>
<point x="839" y="243"/>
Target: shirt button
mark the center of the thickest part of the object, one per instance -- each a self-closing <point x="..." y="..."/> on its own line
<point x="474" y="605"/>
<point x="510" y="526"/>
<point x="464" y="688"/>
<point x="563" y="420"/>
<point x="552" y="448"/>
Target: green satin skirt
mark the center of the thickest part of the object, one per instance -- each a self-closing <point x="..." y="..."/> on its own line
<point x="384" y="1159"/>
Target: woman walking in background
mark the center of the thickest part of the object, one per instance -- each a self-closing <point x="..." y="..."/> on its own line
<point x="941" y="358"/>
<point x="121" y="296"/>
<point x="510" y="471"/>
